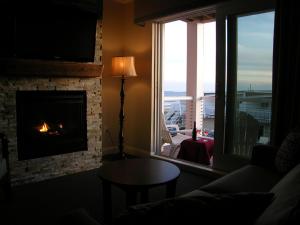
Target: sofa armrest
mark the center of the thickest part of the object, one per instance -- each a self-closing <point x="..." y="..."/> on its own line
<point x="264" y="155"/>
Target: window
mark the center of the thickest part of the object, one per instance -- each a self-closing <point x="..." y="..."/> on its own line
<point x="244" y="64"/>
<point x="249" y="82"/>
<point x="216" y="69"/>
<point x="188" y="80"/>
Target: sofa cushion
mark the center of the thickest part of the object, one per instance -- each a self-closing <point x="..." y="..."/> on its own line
<point x="234" y="209"/>
<point x="288" y="154"/>
<point x="286" y="202"/>
<point x="77" y="217"/>
<point x="294" y="216"/>
<point x="247" y="179"/>
<point x="264" y="155"/>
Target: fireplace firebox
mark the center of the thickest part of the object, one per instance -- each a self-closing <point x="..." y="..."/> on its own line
<point x="50" y="123"/>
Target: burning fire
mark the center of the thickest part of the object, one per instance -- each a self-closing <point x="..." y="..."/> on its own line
<point x="44" y="128"/>
<point x="54" y="130"/>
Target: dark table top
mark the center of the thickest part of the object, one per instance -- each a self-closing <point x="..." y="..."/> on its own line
<point x="138" y="172"/>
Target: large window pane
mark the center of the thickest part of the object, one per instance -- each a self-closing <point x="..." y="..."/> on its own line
<point x="206" y="66"/>
<point x="174" y="56"/>
<point x="253" y="90"/>
<point x="189" y="52"/>
<point x="174" y="73"/>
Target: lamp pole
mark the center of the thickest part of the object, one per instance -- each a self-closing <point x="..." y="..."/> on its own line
<point x="122" y="66"/>
<point x="121" y="118"/>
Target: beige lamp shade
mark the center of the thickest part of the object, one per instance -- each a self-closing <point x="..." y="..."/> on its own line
<point x="123" y="66"/>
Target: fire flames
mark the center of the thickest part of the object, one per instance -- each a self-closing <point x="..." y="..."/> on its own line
<point x="44" y="128"/>
<point x="52" y="129"/>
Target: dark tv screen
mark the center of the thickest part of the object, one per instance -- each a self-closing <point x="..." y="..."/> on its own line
<point x="55" y="32"/>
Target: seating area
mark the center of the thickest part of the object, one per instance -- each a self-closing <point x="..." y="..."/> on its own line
<point x="178" y="144"/>
<point x="51" y="201"/>
<point x="266" y="191"/>
<point x="172" y="138"/>
<point x="247" y="135"/>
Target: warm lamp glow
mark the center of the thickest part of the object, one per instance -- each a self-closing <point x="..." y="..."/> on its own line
<point x="123" y="66"/>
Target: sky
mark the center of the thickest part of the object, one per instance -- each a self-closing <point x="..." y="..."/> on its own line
<point x="174" y="68"/>
<point x="255" y="44"/>
<point x="255" y="49"/>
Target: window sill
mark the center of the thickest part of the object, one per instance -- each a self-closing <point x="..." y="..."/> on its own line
<point x="192" y="167"/>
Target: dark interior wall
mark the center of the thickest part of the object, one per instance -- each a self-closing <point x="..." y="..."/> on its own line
<point x="153" y="9"/>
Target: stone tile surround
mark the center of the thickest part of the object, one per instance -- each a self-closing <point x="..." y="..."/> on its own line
<point x="27" y="171"/>
<point x="14" y="77"/>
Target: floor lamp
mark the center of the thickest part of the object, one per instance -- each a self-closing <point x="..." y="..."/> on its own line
<point x="122" y="67"/>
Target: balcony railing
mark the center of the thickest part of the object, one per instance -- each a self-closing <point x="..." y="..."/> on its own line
<point x="175" y="110"/>
<point x="179" y="110"/>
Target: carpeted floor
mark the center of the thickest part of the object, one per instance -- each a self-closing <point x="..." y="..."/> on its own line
<point x="45" y="202"/>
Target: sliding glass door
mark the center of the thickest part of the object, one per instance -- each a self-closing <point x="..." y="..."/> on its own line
<point x="245" y="38"/>
<point x="215" y="67"/>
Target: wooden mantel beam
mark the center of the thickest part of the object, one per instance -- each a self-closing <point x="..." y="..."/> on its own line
<point x="45" y="68"/>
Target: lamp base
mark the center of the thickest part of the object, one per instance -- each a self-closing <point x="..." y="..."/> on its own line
<point x="115" y="156"/>
<point x="122" y="155"/>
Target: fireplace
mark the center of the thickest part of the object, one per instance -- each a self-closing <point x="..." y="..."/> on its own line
<point x="50" y="123"/>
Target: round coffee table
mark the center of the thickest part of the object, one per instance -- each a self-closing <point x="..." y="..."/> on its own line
<point x="136" y="176"/>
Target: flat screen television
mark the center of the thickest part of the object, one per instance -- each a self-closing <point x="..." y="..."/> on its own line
<point x="58" y="30"/>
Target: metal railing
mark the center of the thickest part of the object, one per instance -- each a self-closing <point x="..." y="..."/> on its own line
<point x="175" y="110"/>
<point x="179" y="110"/>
